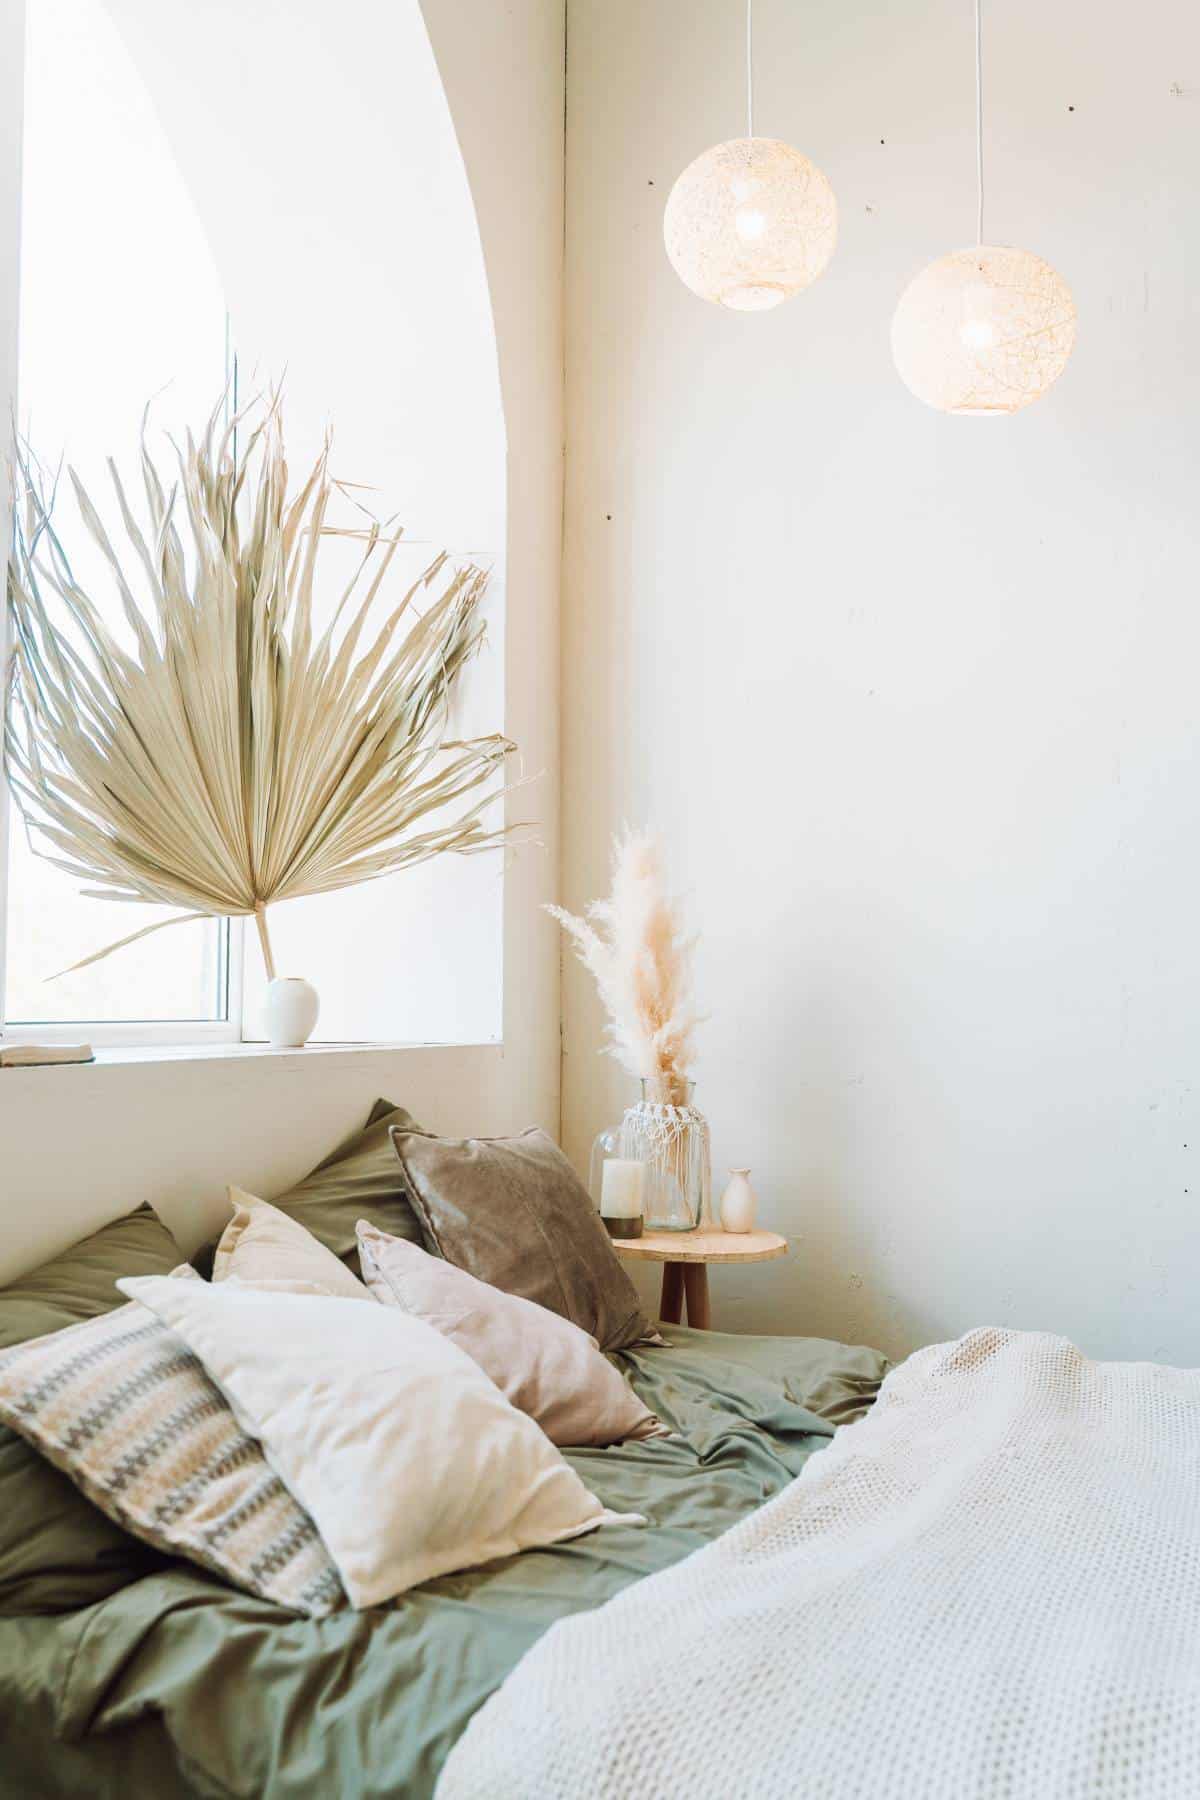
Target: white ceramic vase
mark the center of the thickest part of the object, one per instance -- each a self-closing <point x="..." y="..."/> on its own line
<point x="739" y="1203"/>
<point x="292" y="1008"/>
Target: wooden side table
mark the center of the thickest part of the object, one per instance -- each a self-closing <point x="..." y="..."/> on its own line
<point x="685" y="1256"/>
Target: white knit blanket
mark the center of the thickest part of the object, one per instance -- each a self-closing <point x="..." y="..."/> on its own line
<point x="987" y="1589"/>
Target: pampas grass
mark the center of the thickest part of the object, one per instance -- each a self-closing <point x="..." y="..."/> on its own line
<point x="635" y="946"/>
<point x="237" y="757"/>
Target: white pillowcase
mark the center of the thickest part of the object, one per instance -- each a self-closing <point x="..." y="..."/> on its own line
<point x="261" y="1244"/>
<point x="410" y="1462"/>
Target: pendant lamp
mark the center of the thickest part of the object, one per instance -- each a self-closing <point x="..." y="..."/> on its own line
<point x="986" y="330"/>
<point x="752" y="221"/>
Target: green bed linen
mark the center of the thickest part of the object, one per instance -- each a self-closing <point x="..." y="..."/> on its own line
<point x="177" y="1685"/>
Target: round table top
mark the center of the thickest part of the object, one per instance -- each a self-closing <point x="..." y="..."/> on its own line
<point x="714" y="1246"/>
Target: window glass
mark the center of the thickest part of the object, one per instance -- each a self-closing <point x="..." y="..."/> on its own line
<point x="120" y="305"/>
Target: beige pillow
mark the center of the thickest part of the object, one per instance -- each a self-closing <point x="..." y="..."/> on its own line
<point x="546" y="1366"/>
<point x="123" y="1407"/>
<point x="409" y="1461"/>
<point x="261" y="1244"/>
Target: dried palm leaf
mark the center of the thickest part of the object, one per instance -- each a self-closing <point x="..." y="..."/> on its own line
<point x="238" y="757"/>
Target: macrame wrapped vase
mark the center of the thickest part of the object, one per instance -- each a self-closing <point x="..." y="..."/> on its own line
<point x="667" y="1133"/>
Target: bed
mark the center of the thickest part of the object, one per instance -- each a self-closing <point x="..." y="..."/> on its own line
<point x="971" y="1576"/>
<point x="125" y="1673"/>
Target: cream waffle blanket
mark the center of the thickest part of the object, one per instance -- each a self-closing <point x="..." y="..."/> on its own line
<point x="987" y="1589"/>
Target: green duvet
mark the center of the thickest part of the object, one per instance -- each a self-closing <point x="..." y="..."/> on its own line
<point x="176" y="1685"/>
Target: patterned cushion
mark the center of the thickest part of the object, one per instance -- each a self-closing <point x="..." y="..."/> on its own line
<point x="58" y="1552"/>
<point x="123" y="1407"/>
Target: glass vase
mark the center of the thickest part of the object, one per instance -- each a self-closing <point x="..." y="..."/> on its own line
<point x="666" y="1132"/>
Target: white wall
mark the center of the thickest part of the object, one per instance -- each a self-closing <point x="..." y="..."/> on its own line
<point x="911" y="698"/>
<point x="79" y="1145"/>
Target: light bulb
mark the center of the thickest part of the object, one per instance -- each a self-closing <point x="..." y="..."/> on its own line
<point x="977" y="334"/>
<point x="978" y="329"/>
<point x="749" y="223"/>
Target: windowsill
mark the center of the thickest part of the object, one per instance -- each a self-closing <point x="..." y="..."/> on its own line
<point x="117" y="1055"/>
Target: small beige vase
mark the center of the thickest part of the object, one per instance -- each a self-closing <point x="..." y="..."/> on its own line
<point x="739" y="1203"/>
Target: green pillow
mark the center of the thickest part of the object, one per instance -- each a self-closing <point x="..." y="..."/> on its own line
<point x="362" y="1179"/>
<point x="58" y="1551"/>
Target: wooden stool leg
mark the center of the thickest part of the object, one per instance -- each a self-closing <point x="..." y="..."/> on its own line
<point x="671" y="1306"/>
<point x="695" y="1282"/>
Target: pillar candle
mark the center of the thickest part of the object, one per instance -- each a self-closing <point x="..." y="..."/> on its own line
<point x="622" y="1188"/>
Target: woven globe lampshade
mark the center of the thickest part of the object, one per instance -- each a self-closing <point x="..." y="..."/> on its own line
<point x="750" y="223"/>
<point x="983" y="331"/>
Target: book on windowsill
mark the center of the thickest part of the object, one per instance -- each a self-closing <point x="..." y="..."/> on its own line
<point x="28" y="1056"/>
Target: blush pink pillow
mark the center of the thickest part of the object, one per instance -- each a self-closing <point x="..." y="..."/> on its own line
<point x="542" y="1364"/>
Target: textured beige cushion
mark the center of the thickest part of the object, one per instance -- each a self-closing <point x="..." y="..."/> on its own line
<point x="513" y="1212"/>
<point x="545" y="1365"/>
<point x="123" y="1407"/>
<point x="410" y="1462"/>
<point x="262" y="1244"/>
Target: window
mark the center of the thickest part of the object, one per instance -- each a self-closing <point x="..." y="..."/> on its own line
<point x="120" y="300"/>
<point x="176" y="200"/>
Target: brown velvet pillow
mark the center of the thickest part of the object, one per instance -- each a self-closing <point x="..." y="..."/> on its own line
<point x="512" y="1212"/>
<point x="361" y="1179"/>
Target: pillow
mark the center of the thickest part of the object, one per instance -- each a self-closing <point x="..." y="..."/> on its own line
<point x="80" y="1283"/>
<point x="121" y="1406"/>
<point x="260" y="1243"/>
<point x="544" y="1365"/>
<point x="361" y="1179"/>
<point x="57" y="1552"/>
<point x="407" y="1458"/>
<point x="513" y="1212"/>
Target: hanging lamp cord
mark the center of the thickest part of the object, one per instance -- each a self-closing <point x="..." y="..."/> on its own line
<point x="749" y="68"/>
<point x="979" y="117"/>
